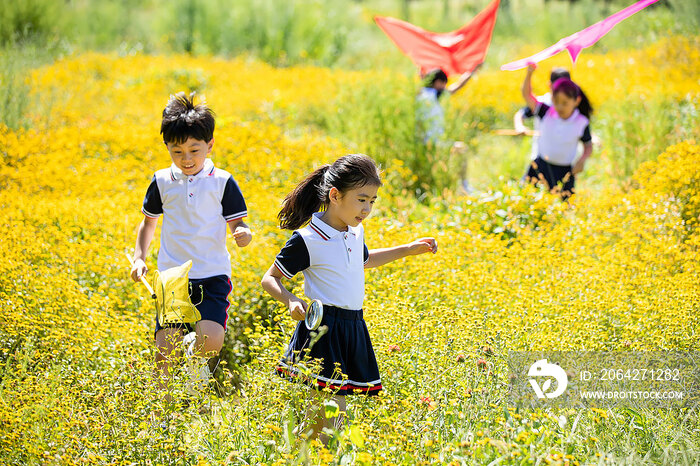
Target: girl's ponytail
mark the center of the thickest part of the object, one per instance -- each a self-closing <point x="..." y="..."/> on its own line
<point x="311" y="195"/>
<point x="303" y="201"/>
<point x="585" y="106"/>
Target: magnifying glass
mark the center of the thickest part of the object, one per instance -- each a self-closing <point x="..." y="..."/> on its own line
<point x="314" y="314"/>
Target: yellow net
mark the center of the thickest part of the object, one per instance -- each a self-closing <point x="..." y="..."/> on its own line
<point x="172" y="290"/>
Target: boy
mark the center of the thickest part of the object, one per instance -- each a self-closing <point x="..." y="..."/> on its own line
<point x="197" y="201"/>
<point x="431" y="115"/>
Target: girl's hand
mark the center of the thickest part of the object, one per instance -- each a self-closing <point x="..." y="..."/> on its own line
<point x="422" y="245"/>
<point x="139" y="268"/>
<point x="578" y="167"/>
<point x="531" y="67"/>
<point x="243" y="236"/>
<point x="297" y="309"/>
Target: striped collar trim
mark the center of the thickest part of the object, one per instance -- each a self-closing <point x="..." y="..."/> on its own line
<point x="319" y="231"/>
<point x="324" y="230"/>
<point x="207" y="170"/>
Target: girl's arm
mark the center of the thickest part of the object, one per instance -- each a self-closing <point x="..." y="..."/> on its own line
<point x="241" y="232"/>
<point x="526" y="89"/>
<point x="383" y="256"/>
<point x="587" y="151"/>
<point x="272" y="283"/>
<point x="147" y="229"/>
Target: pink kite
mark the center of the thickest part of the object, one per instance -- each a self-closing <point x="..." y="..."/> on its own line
<point x="580" y="40"/>
<point x="455" y="52"/>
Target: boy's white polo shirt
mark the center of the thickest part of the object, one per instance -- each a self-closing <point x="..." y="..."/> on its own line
<point x="527" y="113"/>
<point x="196" y="209"/>
<point x="332" y="262"/>
<point x="431" y="114"/>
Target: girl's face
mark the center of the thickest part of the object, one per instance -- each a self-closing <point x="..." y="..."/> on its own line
<point x="352" y="206"/>
<point x="565" y="105"/>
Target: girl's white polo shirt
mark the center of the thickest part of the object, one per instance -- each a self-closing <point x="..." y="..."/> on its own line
<point x="558" y="140"/>
<point x="332" y="262"/>
<point x="195" y="211"/>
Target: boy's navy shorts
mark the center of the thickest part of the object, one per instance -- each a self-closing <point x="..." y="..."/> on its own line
<point x="212" y="305"/>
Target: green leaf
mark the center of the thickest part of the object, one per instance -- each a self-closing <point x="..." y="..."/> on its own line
<point x="331" y="409"/>
<point x="356" y="436"/>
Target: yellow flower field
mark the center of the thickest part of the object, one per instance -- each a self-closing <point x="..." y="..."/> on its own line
<point x="517" y="270"/>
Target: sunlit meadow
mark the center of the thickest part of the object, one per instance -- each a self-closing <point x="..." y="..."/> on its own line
<point x="616" y="269"/>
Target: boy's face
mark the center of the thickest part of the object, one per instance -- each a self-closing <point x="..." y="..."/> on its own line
<point x="440" y="84"/>
<point x="190" y="155"/>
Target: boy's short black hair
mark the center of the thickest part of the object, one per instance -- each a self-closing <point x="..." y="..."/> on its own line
<point x="557" y="73"/>
<point x="432" y="76"/>
<point x="182" y="119"/>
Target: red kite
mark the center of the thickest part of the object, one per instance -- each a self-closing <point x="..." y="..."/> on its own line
<point x="582" y="39"/>
<point x="456" y="52"/>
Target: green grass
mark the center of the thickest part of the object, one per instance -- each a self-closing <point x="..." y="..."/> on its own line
<point x="326" y="33"/>
<point x="16" y="100"/>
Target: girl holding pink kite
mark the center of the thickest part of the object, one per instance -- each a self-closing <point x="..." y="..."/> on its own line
<point x="562" y="126"/>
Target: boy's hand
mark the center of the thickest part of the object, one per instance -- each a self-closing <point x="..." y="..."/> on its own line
<point x="521" y="129"/>
<point x="297" y="309"/>
<point x="531" y="67"/>
<point x="139" y="268"/>
<point x="578" y="167"/>
<point x="422" y="245"/>
<point x="243" y="236"/>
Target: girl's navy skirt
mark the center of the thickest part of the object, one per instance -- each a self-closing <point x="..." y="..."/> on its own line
<point x="341" y="359"/>
<point x="553" y="175"/>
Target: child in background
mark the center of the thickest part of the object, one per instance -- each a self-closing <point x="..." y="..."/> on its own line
<point x="331" y="253"/>
<point x="562" y="126"/>
<point x="430" y="116"/>
<point x="526" y="113"/>
<point x="198" y="201"/>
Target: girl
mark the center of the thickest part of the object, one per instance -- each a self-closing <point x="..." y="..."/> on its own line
<point x="331" y="253"/>
<point x="562" y="125"/>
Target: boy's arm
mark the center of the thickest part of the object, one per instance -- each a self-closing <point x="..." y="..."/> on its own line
<point x="272" y="283"/>
<point x="241" y="232"/>
<point x="518" y="122"/>
<point x="462" y="80"/>
<point x="383" y="256"/>
<point x="147" y="229"/>
<point x="526" y="89"/>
